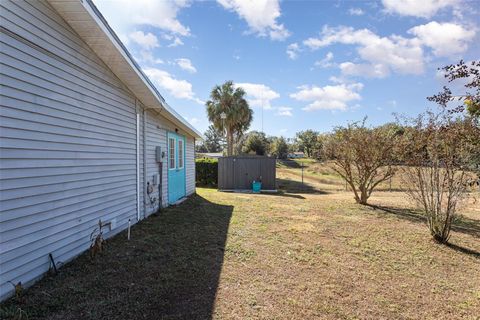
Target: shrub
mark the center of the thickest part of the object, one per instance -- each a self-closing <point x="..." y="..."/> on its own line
<point x="437" y="151"/>
<point x="363" y="157"/>
<point x="206" y="172"/>
<point x="279" y="148"/>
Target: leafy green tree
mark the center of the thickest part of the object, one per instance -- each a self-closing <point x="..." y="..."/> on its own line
<point x="362" y="156"/>
<point x="279" y="147"/>
<point x="229" y="101"/>
<point x="214" y="140"/>
<point x="292" y="145"/>
<point x="317" y="149"/>
<point x="200" y="147"/>
<point x="470" y="99"/>
<point x="257" y="142"/>
<point x="307" y="141"/>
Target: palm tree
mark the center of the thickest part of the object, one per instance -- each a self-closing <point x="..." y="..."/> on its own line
<point x="229" y="112"/>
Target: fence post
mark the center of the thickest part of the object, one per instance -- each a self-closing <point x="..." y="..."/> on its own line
<point x="302" y="175"/>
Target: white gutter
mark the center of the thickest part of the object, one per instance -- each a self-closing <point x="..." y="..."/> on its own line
<point x="144" y="163"/>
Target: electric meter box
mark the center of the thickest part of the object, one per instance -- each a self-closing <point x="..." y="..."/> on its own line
<point x="158" y="154"/>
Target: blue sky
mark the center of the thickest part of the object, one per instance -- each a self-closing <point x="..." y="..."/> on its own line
<point x="307" y="64"/>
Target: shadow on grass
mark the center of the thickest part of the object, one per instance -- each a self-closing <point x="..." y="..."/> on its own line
<point x="169" y="270"/>
<point x="462" y="224"/>
<point x="464" y="250"/>
<point x="294" y="186"/>
<point x="289" y="164"/>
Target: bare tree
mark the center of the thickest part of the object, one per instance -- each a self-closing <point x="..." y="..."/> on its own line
<point x="437" y="152"/>
<point x="362" y="156"/>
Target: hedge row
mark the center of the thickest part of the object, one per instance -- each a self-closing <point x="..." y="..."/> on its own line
<point x="206" y="172"/>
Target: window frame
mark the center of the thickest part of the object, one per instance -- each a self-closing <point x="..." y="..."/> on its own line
<point x="170" y="153"/>
<point x="180" y="159"/>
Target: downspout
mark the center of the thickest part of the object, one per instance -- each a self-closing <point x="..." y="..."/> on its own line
<point x="160" y="172"/>
<point x="144" y="162"/>
<point x="166" y="166"/>
<point x="138" y="162"/>
<point x="160" y="205"/>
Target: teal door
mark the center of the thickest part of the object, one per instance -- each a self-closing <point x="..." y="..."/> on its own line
<point x="176" y="167"/>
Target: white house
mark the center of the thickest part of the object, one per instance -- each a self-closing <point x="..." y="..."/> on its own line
<point x="296" y="155"/>
<point x="84" y="136"/>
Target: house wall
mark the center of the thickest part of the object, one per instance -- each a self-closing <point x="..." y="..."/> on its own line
<point x="156" y="135"/>
<point x="68" y="149"/>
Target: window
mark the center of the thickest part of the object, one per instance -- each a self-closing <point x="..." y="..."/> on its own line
<point x="180" y="154"/>
<point x="171" y="152"/>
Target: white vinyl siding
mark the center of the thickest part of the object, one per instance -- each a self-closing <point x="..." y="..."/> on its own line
<point x="190" y="164"/>
<point x="156" y="135"/>
<point x="68" y="149"/>
<point x="68" y="143"/>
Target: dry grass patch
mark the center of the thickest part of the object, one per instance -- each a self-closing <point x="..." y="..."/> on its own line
<point x="313" y="255"/>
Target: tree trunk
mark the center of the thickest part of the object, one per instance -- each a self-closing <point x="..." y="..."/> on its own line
<point x="229" y="143"/>
<point x="363" y="197"/>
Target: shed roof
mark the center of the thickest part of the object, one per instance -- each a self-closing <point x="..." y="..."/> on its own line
<point x="84" y="17"/>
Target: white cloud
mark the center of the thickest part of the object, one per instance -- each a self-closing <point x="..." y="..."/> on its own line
<point x="279" y="33"/>
<point x="417" y="8"/>
<point x="260" y="15"/>
<point x="356" y="12"/>
<point x="147" y="41"/>
<point x="335" y="79"/>
<point x="330" y="97"/>
<point x="365" y="70"/>
<point x="381" y="56"/>
<point x="445" y="39"/>
<point x="124" y="15"/>
<point x="325" y="62"/>
<point x="394" y="53"/>
<point x="186" y="65"/>
<point x="392" y="103"/>
<point x="181" y="89"/>
<point x="193" y="120"/>
<point x="176" y="42"/>
<point x="259" y="95"/>
<point x="284" y="111"/>
<point x="292" y="50"/>
<point x="147" y="56"/>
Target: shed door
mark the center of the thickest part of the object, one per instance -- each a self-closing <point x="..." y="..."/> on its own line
<point x="176" y="167"/>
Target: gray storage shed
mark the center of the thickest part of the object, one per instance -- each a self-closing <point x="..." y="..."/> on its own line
<point x="238" y="172"/>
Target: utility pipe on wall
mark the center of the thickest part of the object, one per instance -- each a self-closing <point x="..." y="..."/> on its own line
<point x="144" y="163"/>
<point x="138" y="165"/>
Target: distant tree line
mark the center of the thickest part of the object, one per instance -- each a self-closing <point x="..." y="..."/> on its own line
<point x="438" y="151"/>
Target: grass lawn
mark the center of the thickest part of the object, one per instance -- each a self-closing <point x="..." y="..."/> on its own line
<point x="306" y="253"/>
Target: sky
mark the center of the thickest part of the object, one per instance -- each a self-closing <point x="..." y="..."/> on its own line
<point x="303" y="64"/>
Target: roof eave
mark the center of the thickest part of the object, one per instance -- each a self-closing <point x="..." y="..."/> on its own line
<point x="84" y="17"/>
